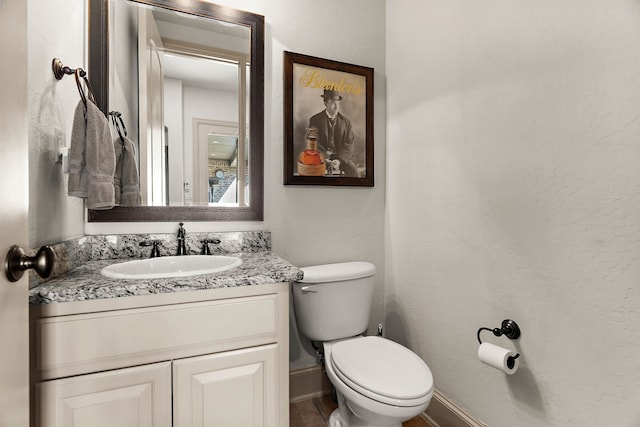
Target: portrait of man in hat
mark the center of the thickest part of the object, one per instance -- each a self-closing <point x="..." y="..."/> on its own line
<point x="335" y="100"/>
<point x="335" y="135"/>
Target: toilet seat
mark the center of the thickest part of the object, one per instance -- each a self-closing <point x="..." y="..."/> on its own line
<point x="382" y="370"/>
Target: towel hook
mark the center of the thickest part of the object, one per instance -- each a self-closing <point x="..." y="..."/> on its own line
<point x="115" y="117"/>
<point x="60" y="70"/>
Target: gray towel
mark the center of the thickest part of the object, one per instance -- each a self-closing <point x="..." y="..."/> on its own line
<point x="92" y="160"/>
<point x="126" y="180"/>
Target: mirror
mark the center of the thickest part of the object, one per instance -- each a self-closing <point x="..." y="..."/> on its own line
<point x="187" y="78"/>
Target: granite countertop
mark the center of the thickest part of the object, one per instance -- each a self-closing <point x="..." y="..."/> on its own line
<point x="86" y="283"/>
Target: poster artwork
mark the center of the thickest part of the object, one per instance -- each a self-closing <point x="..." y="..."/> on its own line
<point x="328" y="122"/>
<point x="333" y="104"/>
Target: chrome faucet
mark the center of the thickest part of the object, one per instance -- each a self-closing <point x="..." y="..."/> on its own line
<point x="182" y="234"/>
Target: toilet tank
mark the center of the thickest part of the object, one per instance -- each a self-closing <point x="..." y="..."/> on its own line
<point x="333" y="301"/>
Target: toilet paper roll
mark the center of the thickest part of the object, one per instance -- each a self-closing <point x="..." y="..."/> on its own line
<point x="498" y="357"/>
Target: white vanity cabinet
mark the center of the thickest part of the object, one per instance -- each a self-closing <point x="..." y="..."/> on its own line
<point x="204" y="358"/>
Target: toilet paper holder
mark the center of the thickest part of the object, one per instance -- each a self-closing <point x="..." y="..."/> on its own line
<point x="509" y="329"/>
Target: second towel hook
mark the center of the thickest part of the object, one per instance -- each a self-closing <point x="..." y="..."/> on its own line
<point x="116" y="117"/>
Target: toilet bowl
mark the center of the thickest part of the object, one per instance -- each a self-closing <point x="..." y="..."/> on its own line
<point x="378" y="382"/>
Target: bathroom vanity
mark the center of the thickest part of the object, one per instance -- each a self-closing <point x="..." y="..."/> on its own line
<point x="205" y="350"/>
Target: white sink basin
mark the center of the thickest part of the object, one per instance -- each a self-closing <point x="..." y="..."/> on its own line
<point x="170" y="266"/>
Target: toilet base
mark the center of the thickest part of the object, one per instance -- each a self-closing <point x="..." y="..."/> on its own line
<point x="336" y="420"/>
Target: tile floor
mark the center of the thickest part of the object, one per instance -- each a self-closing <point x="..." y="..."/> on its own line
<point x="315" y="413"/>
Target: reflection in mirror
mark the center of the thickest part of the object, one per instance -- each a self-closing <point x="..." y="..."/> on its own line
<point x="189" y="70"/>
<point x="189" y="88"/>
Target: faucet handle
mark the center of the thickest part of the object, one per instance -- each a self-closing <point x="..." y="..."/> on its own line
<point x="205" y="246"/>
<point x="155" y="251"/>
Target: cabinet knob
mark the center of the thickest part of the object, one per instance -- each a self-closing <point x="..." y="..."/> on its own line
<point x="17" y="262"/>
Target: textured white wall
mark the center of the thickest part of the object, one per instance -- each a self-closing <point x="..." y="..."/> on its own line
<point x="55" y="29"/>
<point x="514" y="192"/>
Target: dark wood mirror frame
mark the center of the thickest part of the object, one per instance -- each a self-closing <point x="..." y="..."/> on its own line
<point x="99" y="79"/>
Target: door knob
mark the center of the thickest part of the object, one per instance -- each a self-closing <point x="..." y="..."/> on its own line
<point x="17" y="262"/>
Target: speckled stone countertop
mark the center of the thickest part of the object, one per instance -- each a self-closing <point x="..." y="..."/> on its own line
<point x="86" y="283"/>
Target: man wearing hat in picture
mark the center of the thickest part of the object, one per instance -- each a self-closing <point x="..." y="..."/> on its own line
<point x="335" y="135"/>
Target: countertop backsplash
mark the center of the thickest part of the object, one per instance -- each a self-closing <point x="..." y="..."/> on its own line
<point x="73" y="253"/>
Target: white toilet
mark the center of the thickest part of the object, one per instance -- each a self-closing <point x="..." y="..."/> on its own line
<point x="378" y="382"/>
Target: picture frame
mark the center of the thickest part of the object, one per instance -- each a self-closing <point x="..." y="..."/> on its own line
<point x="335" y="99"/>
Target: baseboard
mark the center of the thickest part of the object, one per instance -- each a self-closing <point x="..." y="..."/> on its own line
<point x="442" y="412"/>
<point x="308" y="383"/>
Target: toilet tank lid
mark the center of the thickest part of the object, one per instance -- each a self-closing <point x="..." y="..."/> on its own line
<point x="337" y="272"/>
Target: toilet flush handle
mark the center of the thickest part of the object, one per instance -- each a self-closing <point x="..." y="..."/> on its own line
<point x="309" y="288"/>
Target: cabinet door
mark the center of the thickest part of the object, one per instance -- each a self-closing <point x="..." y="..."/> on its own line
<point x="230" y="389"/>
<point x="131" y="397"/>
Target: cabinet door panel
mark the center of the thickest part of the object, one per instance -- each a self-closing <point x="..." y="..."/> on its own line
<point x="132" y="397"/>
<point x="235" y="388"/>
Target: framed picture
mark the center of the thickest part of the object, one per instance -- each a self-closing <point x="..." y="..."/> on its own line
<point x="328" y="122"/>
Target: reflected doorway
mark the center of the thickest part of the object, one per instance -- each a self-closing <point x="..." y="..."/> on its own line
<point x="219" y="176"/>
